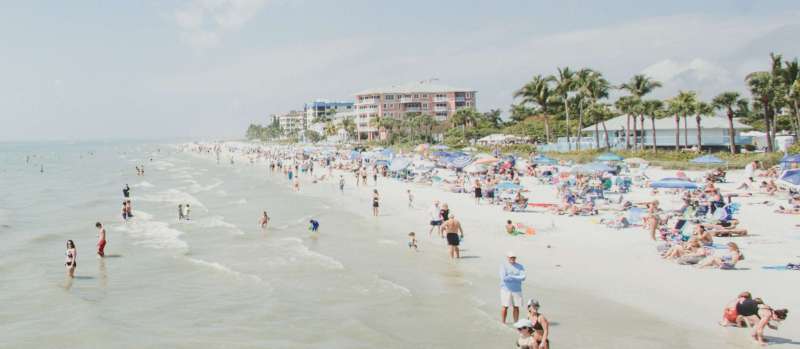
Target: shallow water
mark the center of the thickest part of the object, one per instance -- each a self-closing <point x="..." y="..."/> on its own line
<point x="219" y="281"/>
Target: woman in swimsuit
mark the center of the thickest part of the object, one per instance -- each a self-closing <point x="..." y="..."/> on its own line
<point x="478" y="193"/>
<point x="72" y="257"/>
<point x="766" y="316"/>
<point x="124" y="211"/>
<point x="724" y="262"/>
<point x="264" y="220"/>
<point x="375" y="202"/>
<point x="540" y="325"/>
<point x="525" y="340"/>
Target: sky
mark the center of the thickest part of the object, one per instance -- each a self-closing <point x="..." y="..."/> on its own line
<point x="206" y="69"/>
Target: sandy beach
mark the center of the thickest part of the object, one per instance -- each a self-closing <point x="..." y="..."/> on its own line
<point x="602" y="287"/>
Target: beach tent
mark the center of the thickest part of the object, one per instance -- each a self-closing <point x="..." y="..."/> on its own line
<point x="790" y="179"/>
<point x="609" y="157"/>
<point x="399" y="164"/>
<point x="707" y="160"/>
<point x="674" y="183"/>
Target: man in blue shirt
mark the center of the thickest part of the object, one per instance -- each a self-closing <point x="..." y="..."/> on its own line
<point x="512" y="274"/>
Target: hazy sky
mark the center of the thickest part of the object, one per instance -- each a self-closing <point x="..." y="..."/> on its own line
<point x="207" y="68"/>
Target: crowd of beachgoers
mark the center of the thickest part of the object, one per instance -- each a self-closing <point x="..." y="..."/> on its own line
<point x="703" y="231"/>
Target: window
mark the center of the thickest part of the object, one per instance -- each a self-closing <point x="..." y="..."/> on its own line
<point x="425" y="105"/>
<point x="389" y="97"/>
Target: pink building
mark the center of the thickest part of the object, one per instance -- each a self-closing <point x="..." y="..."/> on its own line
<point x="423" y="97"/>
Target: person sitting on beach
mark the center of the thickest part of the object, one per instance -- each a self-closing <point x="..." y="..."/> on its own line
<point x="693" y="248"/>
<point x="766" y="315"/>
<point x="724" y="262"/>
<point x="771" y="187"/>
<point x="540" y="325"/>
<point x="510" y="227"/>
<point x="791" y="210"/>
<point x="705" y="237"/>
<point x="525" y="329"/>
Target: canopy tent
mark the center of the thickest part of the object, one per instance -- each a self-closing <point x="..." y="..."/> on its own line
<point x="707" y="160"/>
<point x="609" y="157"/>
<point x="674" y="183"/>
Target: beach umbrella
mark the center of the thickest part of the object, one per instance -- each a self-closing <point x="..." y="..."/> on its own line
<point x="609" y="157"/>
<point x="475" y="168"/>
<point x="508" y="186"/>
<point x="489" y="160"/>
<point x="707" y="160"/>
<point x="674" y="183"/>
<point x="791" y="179"/>
<point x="790" y="159"/>
<point x="440" y="154"/>
<point x="354" y="155"/>
<point x="460" y="161"/>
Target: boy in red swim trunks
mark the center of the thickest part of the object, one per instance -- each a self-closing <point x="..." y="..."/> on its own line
<point x="101" y="242"/>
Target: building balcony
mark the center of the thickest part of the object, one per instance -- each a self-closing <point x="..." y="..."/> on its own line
<point x="440" y="99"/>
<point x="368" y="101"/>
<point x="461" y="99"/>
<point x="440" y="109"/>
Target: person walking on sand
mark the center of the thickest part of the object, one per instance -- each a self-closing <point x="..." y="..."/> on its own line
<point x="436" y="218"/>
<point x="410" y="198"/>
<point x="454" y="236"/>
<point x="101" y="240"/>
<point x="375" y="203"/>
<point x="478" y="192"/>
<point x="264" y="220"/>
<point x="512" y="274"/>
<point x="341" y="183"/>
<point x="72" y="258"/>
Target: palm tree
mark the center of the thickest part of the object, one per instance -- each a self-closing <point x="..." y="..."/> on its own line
<point x="349" y="126"/>
<point x="686" y="101"/>
<point x="465" y="118"/>
<point x="565" y="83"/>
<point x="591" y="86"/>
<point x="674" y="109"/>
<point x="762" y="87"/>
<point x="701" y="109"/>
<point x="329" y="129"/>
<point x="625" y="106"/>
<point x="538" y="92"/>
<point x="639" y="86"/>
<point x="726" y="101"/>
<point x="654" y="108"/>
<point x="794" y="98"/>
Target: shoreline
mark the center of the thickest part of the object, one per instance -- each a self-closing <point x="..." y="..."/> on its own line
<point x="581" y="269"/>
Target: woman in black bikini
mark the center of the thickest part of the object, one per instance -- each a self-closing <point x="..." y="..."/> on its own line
<point x="375" y="203"/>
<point x="541" y="327"/>
<point x="72" y="256"/>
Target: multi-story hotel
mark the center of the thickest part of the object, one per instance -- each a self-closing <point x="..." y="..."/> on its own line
<point x="325" y="107"/>
<point x="291" y="122"/>
<point x="423" y="97"/>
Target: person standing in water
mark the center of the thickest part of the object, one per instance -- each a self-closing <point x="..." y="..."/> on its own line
<point x="188" y="212"/>
<point x="180" y="212"/>
<point x="452" y="228"/>
<point x="125" y="211"/>
<point x="375" y="202"/>
<point x="126" y="191"/>
<point x="129" y="209"/>
<point x="72" y="257"/>
<point x="264" y="220"/>
<point x="101" y="241"/>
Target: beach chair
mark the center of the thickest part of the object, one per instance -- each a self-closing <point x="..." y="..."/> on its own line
<point x="519" y="207"/>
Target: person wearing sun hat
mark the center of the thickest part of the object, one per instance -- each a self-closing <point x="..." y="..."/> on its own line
<point x="525" y="329"/>
<point x="540" y="326"/>
<point x="512" y="274"/>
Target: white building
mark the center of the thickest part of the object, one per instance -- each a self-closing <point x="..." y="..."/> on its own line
<point x="291" y="122"/>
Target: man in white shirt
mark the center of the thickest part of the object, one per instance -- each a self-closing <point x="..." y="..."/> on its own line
<point x="436" y="218"/>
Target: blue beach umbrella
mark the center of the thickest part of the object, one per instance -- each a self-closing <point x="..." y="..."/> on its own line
<point x="674" y="183"/>
<point x="791" y="177"/>
<point x="707" y="160"/>
<point x="508" y="186"/>
<point x="609" y="157"/>
<point x="460" y="162"/>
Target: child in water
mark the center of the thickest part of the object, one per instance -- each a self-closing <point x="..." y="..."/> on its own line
<point x="314" y="225"/>
<point x="412" y="241"/>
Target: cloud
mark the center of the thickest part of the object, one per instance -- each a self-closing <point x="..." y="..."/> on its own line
<point x="203" y="22"/>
